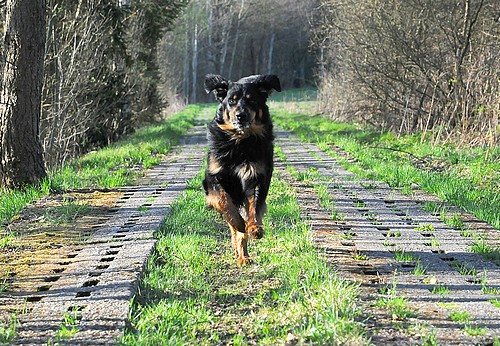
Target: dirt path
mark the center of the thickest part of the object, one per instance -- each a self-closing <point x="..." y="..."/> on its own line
<point x="374" y="222"/>
<point x="97" y="279"/>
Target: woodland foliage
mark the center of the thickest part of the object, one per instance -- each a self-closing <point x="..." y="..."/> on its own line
<point x="101" y="73"/>
<point x="413" y="65"/>
<point x="406" y="65"/>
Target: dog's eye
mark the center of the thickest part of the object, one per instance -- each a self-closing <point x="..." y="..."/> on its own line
<point x="232" y="102"/>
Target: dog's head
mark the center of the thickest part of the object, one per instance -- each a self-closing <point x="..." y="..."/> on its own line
<point x="242" y="103"/>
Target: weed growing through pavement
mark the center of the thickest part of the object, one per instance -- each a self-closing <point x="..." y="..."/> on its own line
<point x="348" y="235"/>
<point x="435" y="242"/>
<point x="440" y="290"/>
<point x="69" y="327"/>
<point x="459" y="316"/>
<point x="419" y="270"/>
<point x="359" y="256"/>
<point x="393" y="234"/>
<point x="464" y="269"/>
<point x="428" y="335"/>
<point x="425" y="228"/>
<point x="474" y="330"/>
<point x="4" y="285"/>
<point x="490" y="290"/>
<point x="495" y="302"/>
<point x="68" y="211"/>
<point x="447" y="305"/>
<point x="143" y="209"/>
<point x="8" y="330"/>
<point x="466" y="233"/>
<point x="397" y="305"/>
<point x="402" y="256"/>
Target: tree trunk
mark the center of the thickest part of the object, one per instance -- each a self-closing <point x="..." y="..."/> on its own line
<point x="270" y="56"/>
<point x="195" y="63"/>
<point x="236" y="38"/>
<point x="20" y="97"/>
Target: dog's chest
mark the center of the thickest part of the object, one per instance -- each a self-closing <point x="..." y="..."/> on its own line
<point x="249" y="170"/>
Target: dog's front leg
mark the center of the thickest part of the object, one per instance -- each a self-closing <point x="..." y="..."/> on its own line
<point x="223" y="203"/>
<point x="239" y="241"/>
<point x="255" y="208"/>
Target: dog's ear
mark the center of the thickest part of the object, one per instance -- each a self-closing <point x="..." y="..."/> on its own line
<point x="219" y="114"/>
<point x="265" y="83"/>
<point x="218" y="85"/>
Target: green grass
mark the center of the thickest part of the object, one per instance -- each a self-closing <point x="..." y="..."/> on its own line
<point x="69" y="327"/>
<point x="112" y="166"/>
<point x="475" y="330"/>
<point x="419" y="269"/>
<point x="489" y="252"/>
<point x="471" y="179"/>
<point x="428" y="334"/>
<point x="459" y="316"/>
<point x="397" y="306"/>
<point x="12" y="201"/>
<point x="464" y="269"/>
<point x="109" y="167"/>
<point x="402" y="256"/>
<point x="440" y="290"/>
<point x="8" y="331"/>
<point x="495" y="302"/>
<point x="6" y="239"/>
<point x="425" y="228"/>
<point x="68" y="211"/>
<point x="193" y="292"/>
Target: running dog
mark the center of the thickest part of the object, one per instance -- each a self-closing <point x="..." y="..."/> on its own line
<point x="240" y="155"/>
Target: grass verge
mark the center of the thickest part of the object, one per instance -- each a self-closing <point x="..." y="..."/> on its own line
<point x="194" y="293"/>
<point x="467" y="178"/>
<point x="113" y="166"/>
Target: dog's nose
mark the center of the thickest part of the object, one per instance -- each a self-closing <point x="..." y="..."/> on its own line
<point x="241" y="116"/>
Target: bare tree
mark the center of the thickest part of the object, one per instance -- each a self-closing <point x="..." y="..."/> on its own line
<point x="240" y="37"/>
<point x="101" y="75"/>
<point x="413" y="65"/>
<point x="20" y="99"/>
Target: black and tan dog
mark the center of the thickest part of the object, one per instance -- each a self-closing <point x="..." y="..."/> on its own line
<point x="240" y="155"/>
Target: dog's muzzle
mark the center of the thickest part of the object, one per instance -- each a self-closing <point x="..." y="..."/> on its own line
<point x="241" y="121"/>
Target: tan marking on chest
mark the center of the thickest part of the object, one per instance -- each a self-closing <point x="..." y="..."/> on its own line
<point x="214" y="165"/>
<point x="248" y="171"/>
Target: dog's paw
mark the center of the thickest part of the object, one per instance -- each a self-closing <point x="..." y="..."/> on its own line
<point x="255" y="231"/>
<point x="244" y="260"/>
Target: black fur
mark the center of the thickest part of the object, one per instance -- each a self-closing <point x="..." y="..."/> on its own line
<point x="240" y="155"/>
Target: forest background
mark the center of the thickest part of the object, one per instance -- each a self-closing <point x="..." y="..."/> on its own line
<point x="408" y="66"/>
